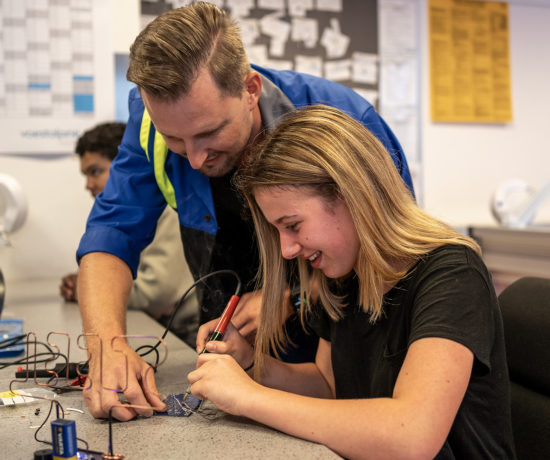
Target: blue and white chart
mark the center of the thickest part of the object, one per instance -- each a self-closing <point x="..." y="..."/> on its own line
<point x="55" y="57"/>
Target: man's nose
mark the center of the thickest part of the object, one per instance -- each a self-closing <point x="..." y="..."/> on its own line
<point x="195" y="154"/>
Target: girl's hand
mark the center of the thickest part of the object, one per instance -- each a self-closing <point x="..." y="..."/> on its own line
<point x="233" y="344"/>
<point x="220" y="379"/>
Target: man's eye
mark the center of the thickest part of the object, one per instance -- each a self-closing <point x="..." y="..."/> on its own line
<point x="97" y="172"/>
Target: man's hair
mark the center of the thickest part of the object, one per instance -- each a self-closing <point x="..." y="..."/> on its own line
<point x="103" y="139"/>
<point x="168" y="54"/>
<point x="323" y="152"/>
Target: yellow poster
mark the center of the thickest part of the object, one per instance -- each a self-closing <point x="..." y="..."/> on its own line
<point x="470" y="61"/>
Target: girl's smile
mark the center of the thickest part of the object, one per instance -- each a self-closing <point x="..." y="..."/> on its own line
<point x="311" y="227"/>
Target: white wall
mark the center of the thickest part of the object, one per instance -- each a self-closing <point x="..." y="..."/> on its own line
<point x="463" y="164"/>
<point x="127" y="22"/>
<point x="58" y="204"/>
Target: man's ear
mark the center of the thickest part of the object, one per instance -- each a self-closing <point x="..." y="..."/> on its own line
<point x="253" y="88"/>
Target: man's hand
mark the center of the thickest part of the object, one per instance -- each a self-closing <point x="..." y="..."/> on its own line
<point x="104" y="282"/>
<point x="67" y="288"/>
<point x="123" y="370"/>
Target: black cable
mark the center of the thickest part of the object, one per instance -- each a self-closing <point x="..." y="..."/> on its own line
<point x="32" y="359"/>
<point x="58" y="406"/>
<point x="110" y="446"/>
<point x="200" y="280"/>
<point x="12" y="341"/>
<point x="43" y="423"/>
<point x="151" y="348"/>
<point x="9" y="342"/>
<point x="53" y="356"/>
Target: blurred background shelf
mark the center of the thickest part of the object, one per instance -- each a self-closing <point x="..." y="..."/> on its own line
<point x="514" y="253"/>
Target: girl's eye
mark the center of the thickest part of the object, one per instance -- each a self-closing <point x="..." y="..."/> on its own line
<point x="293" y="226"/>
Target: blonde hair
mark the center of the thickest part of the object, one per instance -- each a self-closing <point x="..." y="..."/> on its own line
<point x="168" y="54"/>
<point x="334" y="156"/>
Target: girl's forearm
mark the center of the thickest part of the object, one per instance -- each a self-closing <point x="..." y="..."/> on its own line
<point x="303" y="379"/>
<point x="370" y="429"/>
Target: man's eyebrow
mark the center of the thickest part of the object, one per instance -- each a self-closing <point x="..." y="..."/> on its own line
<point x="202" y="134"/>
<point x="209" y="132"/>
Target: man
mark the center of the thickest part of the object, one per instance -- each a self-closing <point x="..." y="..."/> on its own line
<point x="162" y="275"/>
<point x="199" y="107"/>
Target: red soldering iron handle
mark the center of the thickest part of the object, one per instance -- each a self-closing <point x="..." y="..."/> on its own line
<point x="227" y="314"/>
<point x="219" y="331"/>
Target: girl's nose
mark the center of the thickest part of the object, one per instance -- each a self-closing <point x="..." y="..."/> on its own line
<point x="290" y="248"/>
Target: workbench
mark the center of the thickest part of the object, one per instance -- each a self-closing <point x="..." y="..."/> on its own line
<point x="209" y="434"/>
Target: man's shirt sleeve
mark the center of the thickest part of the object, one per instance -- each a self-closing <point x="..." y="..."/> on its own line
<point x="124" y="216"/>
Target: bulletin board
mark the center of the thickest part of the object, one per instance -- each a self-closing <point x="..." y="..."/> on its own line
<point x="333" y="39"/>
<point x="371" y="46"/>
<point x="470" y="61"/>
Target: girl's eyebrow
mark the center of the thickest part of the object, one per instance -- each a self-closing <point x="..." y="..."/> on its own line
<point x="281" y="219"/>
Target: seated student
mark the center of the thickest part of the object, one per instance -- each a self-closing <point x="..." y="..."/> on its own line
<point x="163" y="275"/>
<point x="411" y="360"/>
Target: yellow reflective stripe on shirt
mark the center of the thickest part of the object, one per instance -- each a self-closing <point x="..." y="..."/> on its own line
<point x="144" y="132"/>
<point x="160" y="153"/>
<point x="166" y="187"/>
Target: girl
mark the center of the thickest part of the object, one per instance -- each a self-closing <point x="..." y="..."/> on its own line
<point x="411" y="360"/>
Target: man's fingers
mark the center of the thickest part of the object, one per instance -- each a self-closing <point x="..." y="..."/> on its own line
<point x="122" y="412"/>
<point x="128" y="373"/>
<point x="99" y="404"/>
<point x="151" y="392"/>
<point x="135" y="396"/>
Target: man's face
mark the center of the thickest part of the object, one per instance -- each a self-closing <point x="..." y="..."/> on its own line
<point x="95" y="167"/>
<point x="208" y="128"/>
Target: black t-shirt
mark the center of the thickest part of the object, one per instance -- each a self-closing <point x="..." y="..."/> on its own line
<point x="447" y="294"/>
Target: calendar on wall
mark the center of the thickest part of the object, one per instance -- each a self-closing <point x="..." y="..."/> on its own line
<point x="54" y="59"/>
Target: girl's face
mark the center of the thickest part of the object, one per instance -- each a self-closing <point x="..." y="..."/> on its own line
<point x="312" y="227"/>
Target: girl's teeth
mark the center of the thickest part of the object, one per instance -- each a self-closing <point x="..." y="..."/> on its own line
<point x="314" y="256"/>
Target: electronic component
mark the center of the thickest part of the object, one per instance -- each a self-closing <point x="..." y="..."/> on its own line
<point x="180" y="405"/>
<point x="64" y="439"/>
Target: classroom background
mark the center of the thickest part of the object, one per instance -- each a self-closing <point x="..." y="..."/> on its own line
<point x="458" y="166"/>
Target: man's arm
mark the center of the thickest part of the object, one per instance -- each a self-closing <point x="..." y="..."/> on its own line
<point x="104" y="283"/>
